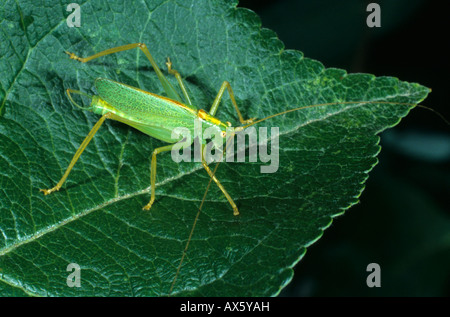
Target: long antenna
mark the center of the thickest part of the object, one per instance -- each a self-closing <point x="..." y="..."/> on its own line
<point x="346" y="103"/>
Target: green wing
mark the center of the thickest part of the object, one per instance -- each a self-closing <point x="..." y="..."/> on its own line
<point x="154" y="115"/>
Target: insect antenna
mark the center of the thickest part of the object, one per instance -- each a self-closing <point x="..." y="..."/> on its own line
<point x="346" y="103"/>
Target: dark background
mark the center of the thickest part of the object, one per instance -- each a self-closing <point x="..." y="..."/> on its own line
<point x="403" y="220"/>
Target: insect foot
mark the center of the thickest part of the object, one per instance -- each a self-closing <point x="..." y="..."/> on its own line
<point x="48" y="191"/>
<point x="75" y="57"/>
<point x="148" y="206"/>
<point x="248" y="121"/>
<point x="169" y="66"/>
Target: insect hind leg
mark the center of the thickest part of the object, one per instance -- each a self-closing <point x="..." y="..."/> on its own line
<point x="77" y="154"/>
<point x="170" y="91"/>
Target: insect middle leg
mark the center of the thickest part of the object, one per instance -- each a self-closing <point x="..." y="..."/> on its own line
<point x="180" y="81"/>
<point x="153" y="173"/>
<point x="168" y="88"/>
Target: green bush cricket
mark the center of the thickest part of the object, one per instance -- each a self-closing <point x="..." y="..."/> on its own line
<point x="154" y="115"/>
<point x="157" y="116"/>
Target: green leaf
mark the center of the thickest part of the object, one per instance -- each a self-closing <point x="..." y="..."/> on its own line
<point x="96" y="219"/>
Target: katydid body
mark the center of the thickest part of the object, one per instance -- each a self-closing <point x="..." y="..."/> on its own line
<point x="154" y="115"/>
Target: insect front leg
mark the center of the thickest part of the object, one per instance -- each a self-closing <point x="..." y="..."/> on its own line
<point x="77" y="154"/>
<point x="227" y="196"/>
<point x="153" y="173"/>
<point x="215" y="105"/>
